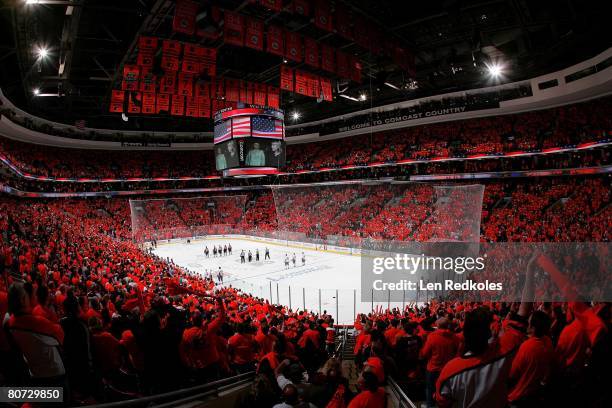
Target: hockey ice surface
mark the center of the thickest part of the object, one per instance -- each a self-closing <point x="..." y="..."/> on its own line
<point x="325" y="270"/>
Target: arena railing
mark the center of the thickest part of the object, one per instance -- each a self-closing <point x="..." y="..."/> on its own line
<point x="185" y="395"/>
<point x="397" y="396"/>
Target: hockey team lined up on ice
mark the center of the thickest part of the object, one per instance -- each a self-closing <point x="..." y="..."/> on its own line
<point x="218" y="250"/>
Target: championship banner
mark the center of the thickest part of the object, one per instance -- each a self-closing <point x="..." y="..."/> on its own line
<point x="313" y="89"/>
<point x="162" y="103"/>
<point x="148" y="83"/>
<point x="301" y="7"/>
<point x="209" y="62"/>
<point x="191" y="106"/>
<point x="202" y="89"/>
<point x="301" y="82"/>
<point x="274" y="43"/>
<point x="148" y="103"/>
<point x="326" y="89"/>
<point x="185" y="84"/>
<point x="311" y="52"/>
<point x="131" y="74"/>
<point x="167" y="84"/>
<point x="203" y="107"/>
<point x="171" y="50"/>
<point x="246" y="92"/>
<point x="134" y="102"/>
<point x="259" y="94"/>
<point x="254" y="33"/>
<point x="192" y="59"/>
<point x="146" y="50"/>
<point x="273" y="97"/>
<point x="184" y="20"/>
<point x="343" y="22"/>
<point x="323" y="18"/>
<point x="117" y="100"/>
<point x="233" y="28"/>
<point x="286" y="78"/>
<point x="328" y="58"/>
<point x="178" y="105"/>
<point x="232" y="90"/>
<point x="293" y="46"/>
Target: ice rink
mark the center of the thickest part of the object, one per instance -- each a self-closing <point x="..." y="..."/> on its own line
<point x="312" y="285"/>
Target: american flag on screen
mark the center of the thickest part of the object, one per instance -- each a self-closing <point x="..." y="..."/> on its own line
<point x="223" y="131"/>
<point x="241" y="126"/>
<point x="267" y="127"/>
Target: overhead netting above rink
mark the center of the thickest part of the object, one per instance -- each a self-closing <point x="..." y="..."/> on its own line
<point x="353" y="214"/>
<point x="158" y="219"/>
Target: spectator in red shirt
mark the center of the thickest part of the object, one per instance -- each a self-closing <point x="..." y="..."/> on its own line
<point x="371" y="395"/>
<point x="242" y="348"/>
<point x="44" y="307"/>
<point x="532" y="364"/>
<point x="440" y="347"/>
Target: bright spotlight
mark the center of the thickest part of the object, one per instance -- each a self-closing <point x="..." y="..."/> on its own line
<point x="295" y="115"/>
<point x="495" y="70"/>
<point x="363" y="97"/>
<point x="42" y="52"/>
<point x="36" y="91"/>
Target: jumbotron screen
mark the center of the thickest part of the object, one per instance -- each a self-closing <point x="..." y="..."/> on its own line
<point x="249" y="136"/>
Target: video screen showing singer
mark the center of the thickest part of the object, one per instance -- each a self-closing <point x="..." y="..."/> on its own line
<point x="256" y="157"/>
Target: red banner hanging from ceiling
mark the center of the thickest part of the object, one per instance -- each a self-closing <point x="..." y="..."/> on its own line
<point x="275" y="43"/>
<point x="259" y="94"/>
<point x="286" y="78"/>
<point x="323" y="18"/>
<point x="313" y="90"/>
<point x="326" y="89"/>
<point x="184" y="20"/>
<point x="204" y="107"/>
<point x="148" y="103"/>
<point x="171" y="50"/>
<point x="311" y="52"/>
<point x="146" y="50"/>
<point x="162" y="103"/>
<point x="167" y="84"/>
<point x="202" y="89"/>
<point x="301" y="82"/>
<point x="301" y="7"/>
<point x="246" y="92"/>
<point x="232" y="90"/>
<point x="233" y="28"/>
<point x="273" y="96"/>
<point x="293" y="46"/>
<point x="178" y="105"/>
<point x="134" y="102"/>
<point x="191" y="106"/>
<point x="131" y="74"/>
<point x="148" y="83"/>
<point x="328" y="58"/>
<point x="254" y="33"/>
<point x="117" y="99"/>
<point x="209" y="62"/>
<point x="185" y="84"/>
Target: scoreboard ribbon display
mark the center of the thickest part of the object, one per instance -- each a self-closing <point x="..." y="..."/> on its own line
<point x="249" y="137"/>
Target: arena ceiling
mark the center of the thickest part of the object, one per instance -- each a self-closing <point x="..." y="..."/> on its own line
<point x="451" y="42"/>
